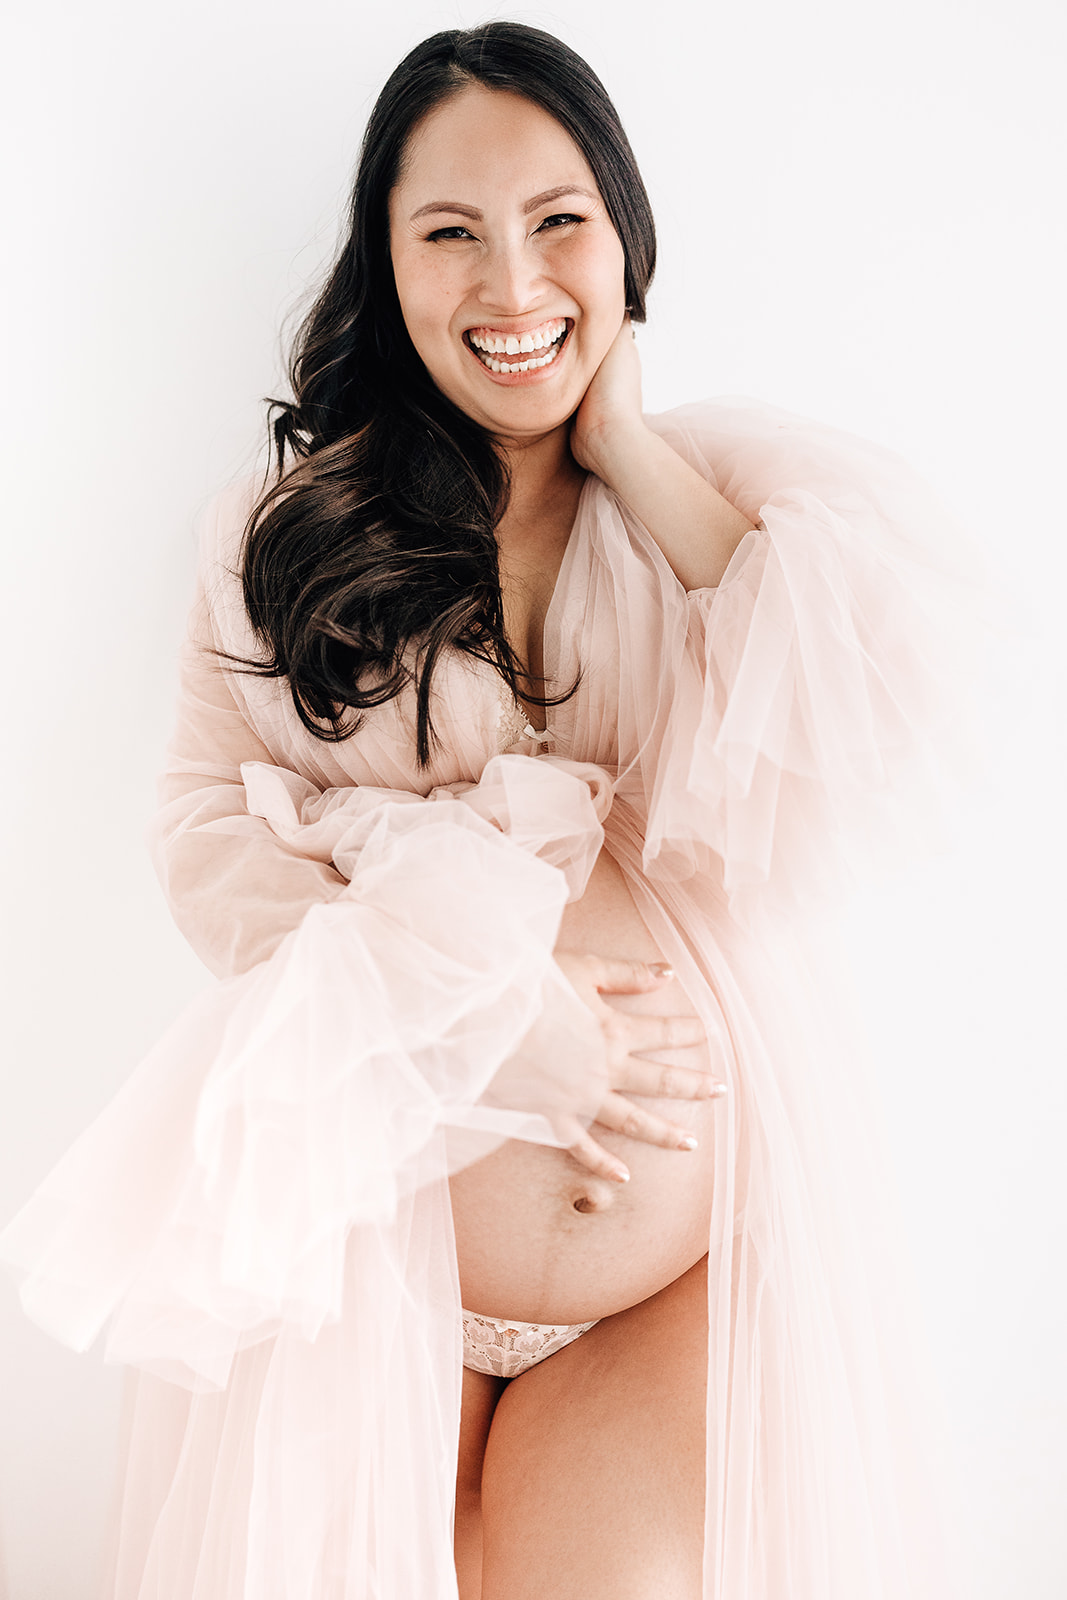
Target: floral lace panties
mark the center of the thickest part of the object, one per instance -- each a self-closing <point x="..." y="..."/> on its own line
<point x="506" y="1348"/>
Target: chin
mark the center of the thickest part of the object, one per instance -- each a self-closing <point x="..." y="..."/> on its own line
<point x="527" y="410"/>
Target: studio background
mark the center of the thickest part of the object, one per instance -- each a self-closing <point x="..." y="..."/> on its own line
<point x="861" y="218"/>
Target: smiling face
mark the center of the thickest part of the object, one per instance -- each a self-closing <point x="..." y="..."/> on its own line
<point x="509" y="271"/>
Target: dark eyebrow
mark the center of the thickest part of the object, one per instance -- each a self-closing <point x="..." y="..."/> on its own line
<point x="556" y="194"/>
<point x="447" y="205"/>
<point x="530" y="205"/>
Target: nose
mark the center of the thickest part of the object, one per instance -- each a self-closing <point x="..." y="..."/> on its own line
<point x="511" y="278"/>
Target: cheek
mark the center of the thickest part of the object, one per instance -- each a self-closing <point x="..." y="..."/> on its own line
<point x="597" y="267"/>
<point x="423" y="290"/>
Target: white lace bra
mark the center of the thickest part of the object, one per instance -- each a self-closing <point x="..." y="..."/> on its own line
<point x="513" y="724"/>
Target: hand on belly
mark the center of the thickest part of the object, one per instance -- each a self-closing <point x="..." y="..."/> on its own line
<point x="547" y="1235"/>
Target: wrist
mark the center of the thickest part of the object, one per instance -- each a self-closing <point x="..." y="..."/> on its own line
<point x="615" y="449"/>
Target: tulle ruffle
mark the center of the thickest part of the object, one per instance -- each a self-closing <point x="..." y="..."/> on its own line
<point x="807" y="727"/>
<point x="211" y="1205"/>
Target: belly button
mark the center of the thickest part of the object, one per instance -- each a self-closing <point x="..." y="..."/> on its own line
<point x="594" y="1197"/>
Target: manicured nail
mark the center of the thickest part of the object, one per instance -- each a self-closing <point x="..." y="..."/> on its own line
<point x="717" y="1090"/>
<point x="621" y="1175"/>
<point x="661" y="969"/>
<point x="688" y="1143"/>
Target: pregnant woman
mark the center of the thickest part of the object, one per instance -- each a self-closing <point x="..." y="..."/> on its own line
<point x="511" y="1217"/>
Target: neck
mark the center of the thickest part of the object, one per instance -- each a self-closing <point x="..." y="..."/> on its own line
<point x="544" y="477"/>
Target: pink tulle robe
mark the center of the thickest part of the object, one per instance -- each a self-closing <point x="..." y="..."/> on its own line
<point x="261" y="1218"/>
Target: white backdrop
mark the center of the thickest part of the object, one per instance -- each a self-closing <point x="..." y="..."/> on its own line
<point x="860" y="213"/>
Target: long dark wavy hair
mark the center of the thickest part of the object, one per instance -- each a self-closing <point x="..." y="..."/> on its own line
<point x="374" y="549"/>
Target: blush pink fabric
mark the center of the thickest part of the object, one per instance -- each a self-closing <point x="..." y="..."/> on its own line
<point x="261" y="1219"/>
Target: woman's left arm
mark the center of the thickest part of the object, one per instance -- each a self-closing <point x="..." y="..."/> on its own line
<point x="695" y="527"/>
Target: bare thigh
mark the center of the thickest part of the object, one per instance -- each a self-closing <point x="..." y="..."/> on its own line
<point x="593" y="1479"/>
<point x="481" y="1392"/>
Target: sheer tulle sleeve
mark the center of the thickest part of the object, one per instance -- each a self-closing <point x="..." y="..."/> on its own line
<point x="234" y="888"/>
<point x="808" y="716"/>
<point x="402" y="1029"/>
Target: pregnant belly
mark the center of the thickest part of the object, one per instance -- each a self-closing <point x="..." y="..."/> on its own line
<point x="538" y="1237"/>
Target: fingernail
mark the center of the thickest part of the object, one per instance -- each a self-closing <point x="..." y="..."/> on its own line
<point x="688" y="1143"/>
<point x="661" y="969"/>
<point x="621" y="1175"/>
<point x="718" y="1090"/>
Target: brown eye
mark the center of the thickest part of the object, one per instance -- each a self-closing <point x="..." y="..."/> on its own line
<point x="455" y="232"/>
<point x="558" y="220"/>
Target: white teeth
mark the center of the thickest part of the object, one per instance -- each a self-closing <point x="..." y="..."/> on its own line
<point x="520" y="366"/>
<point x="490" y="345"/>
<point x="514" y="344"/>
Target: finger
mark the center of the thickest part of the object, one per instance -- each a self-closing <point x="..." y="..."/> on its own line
<point x="622" y="1116"/>
<point x="599" y="1162"/>
<point x="660" y="1080"/>
<point x="632" y="977"/>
